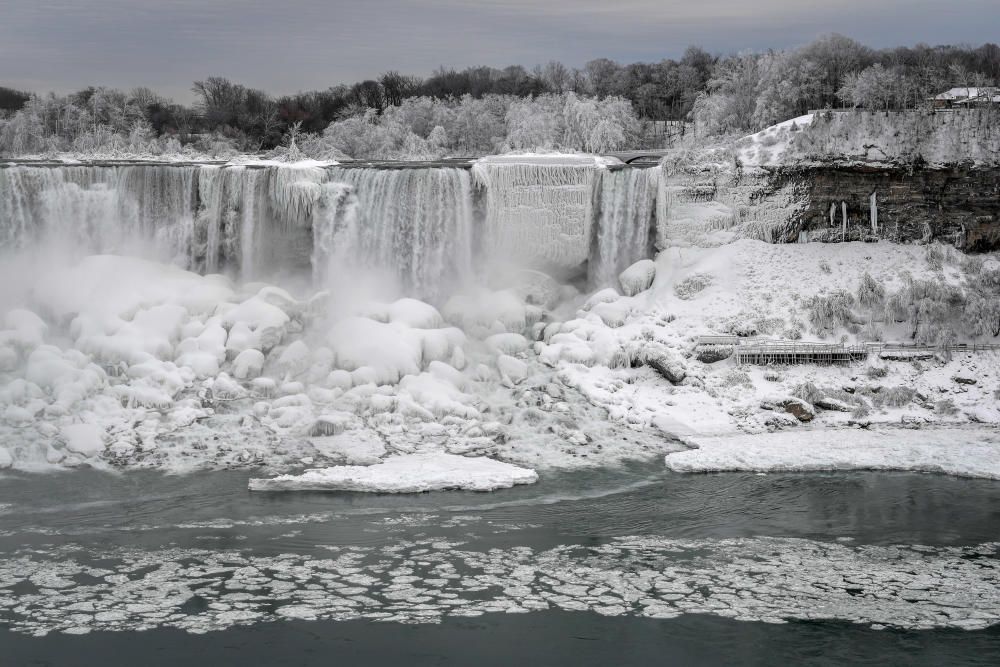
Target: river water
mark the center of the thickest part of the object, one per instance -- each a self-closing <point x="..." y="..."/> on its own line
<point x="614" y="566"/>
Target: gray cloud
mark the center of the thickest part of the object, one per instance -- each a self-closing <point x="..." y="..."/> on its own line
<point x="303" y="44"/>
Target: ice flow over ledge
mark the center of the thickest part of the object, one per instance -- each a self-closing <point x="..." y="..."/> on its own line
<point x="428" y="226"/>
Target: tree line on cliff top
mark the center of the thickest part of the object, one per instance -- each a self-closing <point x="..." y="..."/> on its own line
<point x="600" y="107"/>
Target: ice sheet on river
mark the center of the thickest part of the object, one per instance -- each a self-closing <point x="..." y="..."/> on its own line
<point x="966" y="452"/>
<point x="410" y="473"/>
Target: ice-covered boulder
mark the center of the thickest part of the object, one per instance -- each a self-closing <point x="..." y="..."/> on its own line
<point x="24" y="328"/>
<point x="339" y="379"/>
<point x="438" y="395"/>
<point x="332" y="423"/>
<point x="294" y="359"/>
<point x="241" y="337"/>
<point x="248" y="364"/>
<point x="447" y="373"/>
<point x="638" y="277"/>
<point x="256" y="313"/>
<point x="439" y="344"/>
<point x="798" y="408"/>
<point x="479" y="310"/>
<point x="606" y="295"/>
<point x="665" y="361"/>
<point x="410" y="473"/>
<point x="225" y="388"/>
<point x="513" y="370"/>
<point x="9" y="359"/>
<point x="84" y="439"/>
<point x="389" y="350"/>
<point x="613" y="314"/>
<point x="507" y="343"/>
<point x="414" y="313"/>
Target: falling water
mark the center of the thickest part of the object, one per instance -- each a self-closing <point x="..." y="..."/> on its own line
<point x="414" y="222"/>
<point x="625" y="222"/>
<point x="99" y="209"/>
<point x="419" y="224"/>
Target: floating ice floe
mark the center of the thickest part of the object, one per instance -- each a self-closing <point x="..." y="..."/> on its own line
<point x="410" y="473"/>
<point x="760" y="579"/>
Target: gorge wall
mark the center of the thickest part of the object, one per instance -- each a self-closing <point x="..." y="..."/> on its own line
<point x="957" y="205"/>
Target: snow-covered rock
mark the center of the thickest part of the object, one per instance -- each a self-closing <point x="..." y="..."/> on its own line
<point x="638" y="277"/>
<point x="84" y="439"/>
<point x="511" y="369"/>
<point x="248" y="364"/>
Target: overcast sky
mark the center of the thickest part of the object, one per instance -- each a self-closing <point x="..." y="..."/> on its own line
<point x="285" y="46"/>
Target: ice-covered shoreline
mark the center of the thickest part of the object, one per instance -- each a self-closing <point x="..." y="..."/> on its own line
<point x="969" y="451"/>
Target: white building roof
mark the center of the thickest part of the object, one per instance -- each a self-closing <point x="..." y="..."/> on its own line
<point x="966" y="92"/>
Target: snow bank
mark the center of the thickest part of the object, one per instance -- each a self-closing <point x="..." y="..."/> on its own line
<point x="410" y="473"/>
<point x="966" y="452"/>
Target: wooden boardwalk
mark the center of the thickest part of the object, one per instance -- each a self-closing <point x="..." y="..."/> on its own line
<point x="765" y="352"/>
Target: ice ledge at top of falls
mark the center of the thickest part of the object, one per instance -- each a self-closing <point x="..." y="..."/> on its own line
<point x="550" y="159"/>
<point x="178" y="160"/>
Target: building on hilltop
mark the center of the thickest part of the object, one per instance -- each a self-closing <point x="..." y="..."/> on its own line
<point x="967" y="97"/>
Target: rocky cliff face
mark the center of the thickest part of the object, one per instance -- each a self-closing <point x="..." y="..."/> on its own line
<point x="957" y="205"/>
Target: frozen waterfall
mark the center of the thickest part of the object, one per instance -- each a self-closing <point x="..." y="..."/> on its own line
<point x="100" y="209"/>
<point x="426" y="226"/>
<point x="539" y="209"/>
<point x="625" y="222"/>
<point x="416" y="223"/>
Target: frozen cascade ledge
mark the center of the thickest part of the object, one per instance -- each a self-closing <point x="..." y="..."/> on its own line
<point x="409" y="473"/>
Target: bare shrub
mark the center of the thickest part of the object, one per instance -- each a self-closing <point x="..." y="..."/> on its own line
<point x="737" y="378"/>
<point x="876" y="372"/>
<point x="871" y="293"/>
<point x="808" y="392"/>
<point x="934" y="254"/>
<point x="945" y="407"/>
<point x="861" y="412"/>
<point x="894" y="397"/>
<point x="829" y="312"/>
<point x="692" y="285"/>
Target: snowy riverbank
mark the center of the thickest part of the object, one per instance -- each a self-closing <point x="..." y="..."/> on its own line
<point x="963" y="451"/>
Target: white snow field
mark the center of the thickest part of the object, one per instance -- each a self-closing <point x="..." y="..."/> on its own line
<point x="409" y="473"/>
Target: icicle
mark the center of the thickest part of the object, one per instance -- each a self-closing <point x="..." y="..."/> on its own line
<point x="843" y="218"/>
<point x="538" y="208"/>
<point x="874" y="212"/>
<point x="833" y="214"/>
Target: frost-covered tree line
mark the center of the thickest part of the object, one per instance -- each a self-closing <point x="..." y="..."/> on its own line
<point x="750" y="91"/>
<point x="487" y="109"/>
<point x="425" y="127"/>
